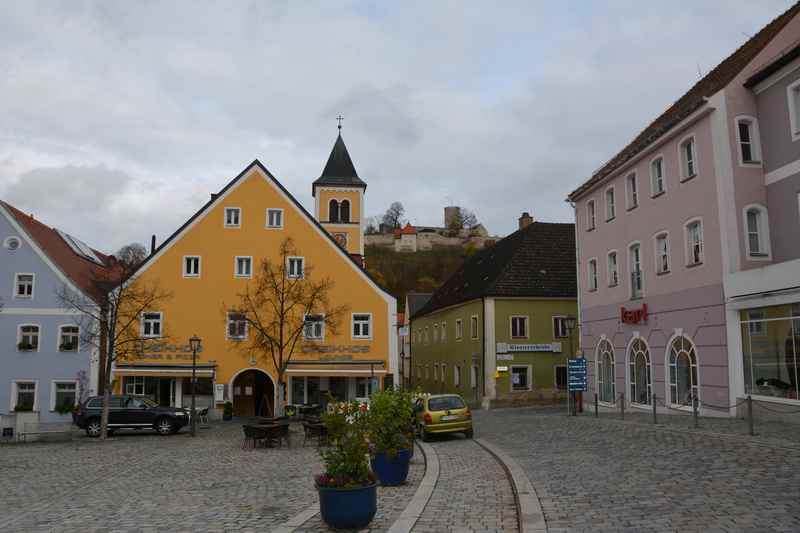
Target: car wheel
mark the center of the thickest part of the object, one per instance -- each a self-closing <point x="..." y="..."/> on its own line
<point x="164" y="426"/>
<point x="93" y="427"/>
<point x="468" y="433"/>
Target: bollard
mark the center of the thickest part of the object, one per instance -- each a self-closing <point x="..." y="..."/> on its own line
<point x="750" y="415"/>
<point x="694" y="412"/>
<point x="655" y="420"/>
<point x="596" y="406"/>
<point x="622" y="405"/>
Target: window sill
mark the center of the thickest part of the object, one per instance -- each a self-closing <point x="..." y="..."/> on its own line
<point x="751" y="163"/>
<point x="612" y="285"/>
<point x="656" y="195"/>
<point x="687" y="178"/>
<point x="694" y="265"/>
<point x="273" y="227"/>
<point x="629" y="209"/>
<point x="758" y="256"/>
<point x="520" y="390"/>
<point x="638" y="297"/>
<point x="591" y="229"/>
<point x="592" y="290"/>
<point x="663" y="273"/>
<point x="232" y="227"/>
<point x="610" y="219"/>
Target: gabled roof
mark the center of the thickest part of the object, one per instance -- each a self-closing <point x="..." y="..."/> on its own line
<point x="711" y="83"/>
<point x="416" y="301"/>
<point x="537" y="261"/>
<point x="84" y="273"/>
<point x="774" y="65"/>
<point x="339" y="170"/>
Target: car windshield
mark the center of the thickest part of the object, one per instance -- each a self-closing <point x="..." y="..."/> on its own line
<point x="445" y="403"/>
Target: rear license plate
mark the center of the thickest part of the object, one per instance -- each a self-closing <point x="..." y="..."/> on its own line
<point x="450" y="418"/>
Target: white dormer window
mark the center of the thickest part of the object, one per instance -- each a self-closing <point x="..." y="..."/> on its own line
<point x="191" y="266"/>
<point x="23" y="286"/>
<point x="275" y="218"/>
<point x="294" y="267"/>
<point x="688" y="156"/>
<point x="657" y="176"/>
<point x="243" y="266"/>
<point x="632" y="191"/>
<point x="611" y="208"/>
<point x="233" y="217"/>
<point x="747" y="136"/>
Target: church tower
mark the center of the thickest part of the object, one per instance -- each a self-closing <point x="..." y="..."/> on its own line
<point x="339" y="199"/>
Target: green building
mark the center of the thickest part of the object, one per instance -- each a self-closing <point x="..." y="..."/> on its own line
<point x="495" y="332"/>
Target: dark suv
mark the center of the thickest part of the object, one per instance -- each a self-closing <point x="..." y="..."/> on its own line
<point x="129" y="412"/>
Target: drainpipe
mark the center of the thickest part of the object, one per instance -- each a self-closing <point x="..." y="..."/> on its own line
<point x="483" y="347"/>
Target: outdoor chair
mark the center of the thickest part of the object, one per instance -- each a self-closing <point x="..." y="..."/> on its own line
<point x="252" y="435"/>
<point x="202" y="417"/>
<point x="315" y="431"/>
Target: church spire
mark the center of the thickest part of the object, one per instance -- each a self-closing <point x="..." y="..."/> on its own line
<point x="339" y="170"/>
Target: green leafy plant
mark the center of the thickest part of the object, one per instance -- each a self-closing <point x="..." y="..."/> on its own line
<point x="67" y="347"/>
<point x="64" y="409"/>
<point x="346" y="464"/>
<point x="25" y="346"/>
<point x="227" y="411"/>
<point x="391" y="421"/>
<point x="23" y="407"/>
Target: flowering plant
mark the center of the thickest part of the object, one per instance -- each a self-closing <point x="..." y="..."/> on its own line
<point x="391" y="421"/>
<point x="346" y="459"/>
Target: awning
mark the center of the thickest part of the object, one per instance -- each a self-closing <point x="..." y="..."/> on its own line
<point x="354" y="368"/>
<point x="171" y="371"/>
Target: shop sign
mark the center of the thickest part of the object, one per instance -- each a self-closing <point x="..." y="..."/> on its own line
<point x="326" y="348"/>
<point x="576" y="374"/>
<point x="502" y="369"/>
<point x="503" y="347"/>
<point x="633" y="316"/>
<point x="505" y="357"/>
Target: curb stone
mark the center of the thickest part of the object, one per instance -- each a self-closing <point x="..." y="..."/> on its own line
<point x="408" y="518"/>
<point x="529" y="510"/>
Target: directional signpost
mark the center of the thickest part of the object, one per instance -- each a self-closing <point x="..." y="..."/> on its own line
<point x="576" y="379"/>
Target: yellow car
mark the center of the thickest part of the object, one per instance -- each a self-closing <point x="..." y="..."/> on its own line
<point x="442" y="413"/>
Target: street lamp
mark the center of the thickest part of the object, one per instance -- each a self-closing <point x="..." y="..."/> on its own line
<point x="570" y="322"/>
<point x="194" y="342"/>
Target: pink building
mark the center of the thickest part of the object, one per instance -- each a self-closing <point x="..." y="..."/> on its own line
<point x="689" y="242"/>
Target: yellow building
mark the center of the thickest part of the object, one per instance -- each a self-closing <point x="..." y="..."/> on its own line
<point x="211" y="258"/>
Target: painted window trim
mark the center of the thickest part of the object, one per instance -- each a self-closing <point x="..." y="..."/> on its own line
<point x="444" y="331"/>
<point x="228" y="328"/>
<point x="39" y="337"/>
<point x="657" y="253"/>
<point x="553" y="323"/>
<point x="755" y="141"/>
<point x="632" y="177"/>
<point x="353" y="323"/>
<point x="650" y="370"/>
<point x="474" y="335"/>
<point x="528" y="371"/>
<point x="160" y="327"/>
<point x="613" y="204"/>
<point x="608" y="267"/>
<point x="185" y="274"/>
<point x="322" y="336"/>
<point x="592" y="287"/>
<point x="457" y="376"/>
<point x="435" y="332"/>
<point x="225" y="217"/>
<point x="653" y="192"/>
<point x="678" y="332"/>
<point x="591" y="215"/>
<point x="56" y="382"/>
<point x="15" y="295"/>
<point x="302" y="267"/>
<point x="686" y="246"/>
<point x="236" y="267"/>
<point x="58" y="338"/>
<point x="349" y="211"/>
<point x="459" y="330"/>
<point x="763" y="233"/>
<point x="641" y="269"/>
<point x="684" y="176"/>
<point x="14" y="391"/>
<point x="276" y="227"/>
<point x="793" y="96"/>
<point x="526" y="322"/>
<point x="604" y="339"/>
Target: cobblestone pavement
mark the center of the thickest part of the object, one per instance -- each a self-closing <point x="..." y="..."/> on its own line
<point x="473" y="492"/>
<point x="604" y="474"/>
<point x="391" y="500"/>
<point x="141" y="482"/>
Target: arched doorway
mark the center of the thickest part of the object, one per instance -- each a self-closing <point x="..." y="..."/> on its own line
<point x="253" y="393"/>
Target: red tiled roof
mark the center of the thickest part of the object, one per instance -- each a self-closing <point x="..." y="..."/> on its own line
<point x="83" y="272"/>
<point x="711" y="83"/>
<point x="408" y="230"/>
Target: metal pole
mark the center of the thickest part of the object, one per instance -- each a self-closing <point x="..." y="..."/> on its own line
<point x="622" y="405"/>
<point x="194" y="386"/>
<point x="750" y="415"/>
<point x="695" y="405"/>
<point x="596" y="406"/>
<point x="655" y="420"/>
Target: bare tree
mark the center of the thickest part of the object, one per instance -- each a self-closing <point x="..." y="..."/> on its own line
<point x="393" y="217"/>
<point x="371" y="226"/>
<point x="110" y="321"/>
<point x="462" y="219"/>
<point x="281" y="306"/>
<point x="131" y="255"/>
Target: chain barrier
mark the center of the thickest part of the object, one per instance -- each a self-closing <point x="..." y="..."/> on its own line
<point x="724" y="408"/>
<point x="763" y="406"/>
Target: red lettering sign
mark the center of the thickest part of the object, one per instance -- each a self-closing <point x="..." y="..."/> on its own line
<point x="633" y="316"/>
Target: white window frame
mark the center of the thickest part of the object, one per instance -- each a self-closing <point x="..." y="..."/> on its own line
<point x="134" y="383"/>
<point x="562" y="320"/>
<point x="473" y="376"/>
<point x="435" y="372"/>
<point x="457" y="376"/>
<point x="525" y="324"/>
<point x="236" y="273"/>
<point x="436" y="332"/>
<point x="657" y="253"/>
<point x="653" y="192"/>
<point x="755" y="141"/>
<point x="443" y="373"/>
<point x="353" y="326"/>
<point x="53" y="386"/>
<point x="38" y="337"/>
<point x="529" y="376"/>
<point x="793" y="95"/>
<point x="765" y="252"/>
<point x="14" y="391"/>
<point x="60" y="334"/>
<point x="184" y="265"/>
<point x="459" y="329"/>
<point x="321" y="337"/>
<point x="473" y="332"/>
<point x="15" y="287"/>
<point x="668" y="369"/>
<point x="444" y="331"/>
<point x="687" y="246"/>
<point x="160" y="325"/>
<point x="631" y="270"/>
<point x="267" y="225"/>
<point x="228" y="322"/>
<point x="591" y="274"/>
<point x="615" y="270"/>
<point x="225" y="222"/>
<point x="289" y="260"/>
<point x="684" y="170"/>
<point x="591" y="215"/>
<point x="611" y="207"/>
<point x="632" y="191"/>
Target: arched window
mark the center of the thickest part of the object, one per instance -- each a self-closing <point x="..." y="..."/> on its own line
<point x="605" y="371"/>
<point x="639" y="362"/>
<point x="682" y="371"/>
<point x="333" y="211"/>
<point x="344" y="211"/>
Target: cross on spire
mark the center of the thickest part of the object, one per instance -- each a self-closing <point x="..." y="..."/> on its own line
<point x="340" y="118"/>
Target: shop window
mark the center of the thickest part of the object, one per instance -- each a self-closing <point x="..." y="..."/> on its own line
<point x="639" y="373"/>
<point x="363" y="387"/>
<point x="606" y="386"/>
<point x="683" y="386"/>
<point x="68" y="339"/>
<point x="520" y="378"/>
<point x="771" y="351"/>
<point x="134" y="385"/>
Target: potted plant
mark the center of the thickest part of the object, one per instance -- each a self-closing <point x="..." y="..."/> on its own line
<point x="23" y="408"/>
<point x="25" y="347"/>
<point x="391" y="429"/>
<point x="227" y="411"/>
<point x="64" y="409"/>
<point x="348" y="497"/>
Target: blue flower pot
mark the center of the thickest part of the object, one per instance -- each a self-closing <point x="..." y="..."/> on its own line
<point x="392" y="470"/>
<point x="348" y="508"/>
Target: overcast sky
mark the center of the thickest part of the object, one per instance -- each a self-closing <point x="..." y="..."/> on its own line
<point x="117" y="119"/>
